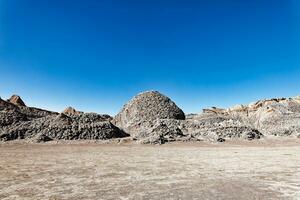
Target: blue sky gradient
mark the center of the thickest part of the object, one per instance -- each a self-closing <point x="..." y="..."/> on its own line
<point x="95" y="55"/>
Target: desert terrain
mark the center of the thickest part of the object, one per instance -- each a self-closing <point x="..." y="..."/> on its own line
<point x="258" y="169"/>
<point x="151" y="150"/>
<point x="149" y="100"/>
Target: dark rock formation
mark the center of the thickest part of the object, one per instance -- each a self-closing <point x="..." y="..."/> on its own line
<point x="85" y="126"/>
<point x="21" y="122"/>
<point x="42" y="138"/>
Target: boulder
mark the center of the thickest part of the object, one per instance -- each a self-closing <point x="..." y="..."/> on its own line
<point x="142" y="112"/>
<point x="39" y="138"/>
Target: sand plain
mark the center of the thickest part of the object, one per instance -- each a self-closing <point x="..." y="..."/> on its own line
<point x="265" y="169"/>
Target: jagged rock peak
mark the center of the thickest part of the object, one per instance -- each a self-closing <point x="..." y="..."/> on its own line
<point x="15" y="99"/>
<point x="71" y="111"/>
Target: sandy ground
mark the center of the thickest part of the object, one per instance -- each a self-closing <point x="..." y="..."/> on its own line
<point x="230" y="170"/>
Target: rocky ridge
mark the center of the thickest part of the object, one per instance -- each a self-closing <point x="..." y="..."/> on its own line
<point x="152" y="118"/>
<point x="22" y="122"/>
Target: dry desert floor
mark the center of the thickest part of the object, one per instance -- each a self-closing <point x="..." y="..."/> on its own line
<point x="231" y="170"/>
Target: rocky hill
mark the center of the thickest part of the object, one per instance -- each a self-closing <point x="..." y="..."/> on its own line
<point x="144" y="110"/>
<point x="21" y="122"/>
<point x="151" y="117"/>
<point x="278" y="116"/>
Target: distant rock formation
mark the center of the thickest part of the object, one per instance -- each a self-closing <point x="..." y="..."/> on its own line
<point x="20" y="122"/>
<point x="277" y="116"/>
<point x="15" y="99"/>
<point x="30" y="112"/>
<point x="144" y="109"/>
<point x="88" y="126"/>
<point x="6" y="105"/>
<point x="214" y="110"/>
<point x="152" y="118"/>
<point x="71" y="112"/>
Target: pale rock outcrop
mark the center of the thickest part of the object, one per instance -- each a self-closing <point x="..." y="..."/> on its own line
<point x="71" y="111"/>
<point x="15" y="99"/>
<point x="277" y="116"/>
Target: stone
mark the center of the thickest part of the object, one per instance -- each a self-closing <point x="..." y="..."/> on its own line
<point x="144" y="110"/>
<point x="42" y="138"/>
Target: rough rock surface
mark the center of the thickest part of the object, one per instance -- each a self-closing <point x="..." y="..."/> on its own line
<point x="144" y="110"/>
<point x="19" y="122"/>
<point x="71" y="111"/>
<point x="204" y="128"/>
<point x="15" y="99"/>
<point x="86" y="126"/>
<point x="214" y="127"/>
<point x="28" y="112"/>
<point x="277" y="117"/>
<point x="152" y="118"/>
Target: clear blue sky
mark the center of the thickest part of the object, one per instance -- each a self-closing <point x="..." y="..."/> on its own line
<point x="95" y="55"/>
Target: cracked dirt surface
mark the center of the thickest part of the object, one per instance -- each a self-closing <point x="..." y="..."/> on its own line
<point x="172" y="171"/>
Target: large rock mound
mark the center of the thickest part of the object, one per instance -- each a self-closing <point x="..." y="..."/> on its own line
<point x="153" y="118"/>
<point x="144" y="110"/>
